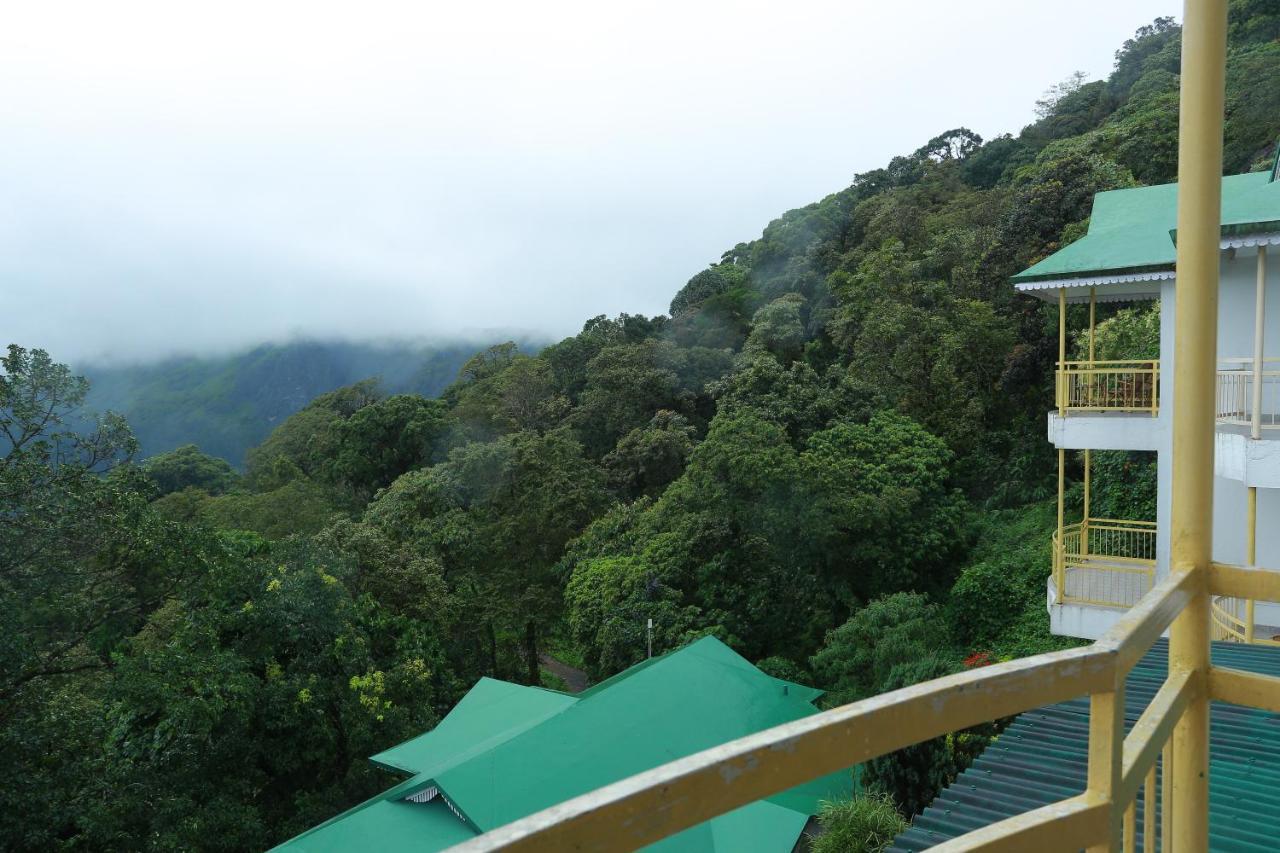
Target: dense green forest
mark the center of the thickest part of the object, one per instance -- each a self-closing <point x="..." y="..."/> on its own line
<point x="229" y="403"/>
<point x="830" y="454"/>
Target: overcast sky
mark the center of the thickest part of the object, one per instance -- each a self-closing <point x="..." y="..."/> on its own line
<point x="193" y="177"/>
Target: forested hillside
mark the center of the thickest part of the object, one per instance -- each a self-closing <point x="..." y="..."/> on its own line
<point x="227" y="404"/>
<point x="830" y="454"/>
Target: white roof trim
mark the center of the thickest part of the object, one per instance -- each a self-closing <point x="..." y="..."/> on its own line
<point x="1093" y="280"/>
<point x="1271" y="239"/>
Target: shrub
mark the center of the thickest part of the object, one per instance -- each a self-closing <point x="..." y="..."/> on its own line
<point x="913" y="776"/>
<point x="866" y="823"/>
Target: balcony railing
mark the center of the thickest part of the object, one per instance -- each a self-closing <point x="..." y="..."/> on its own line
<point x="1108" y="386"/>
<point x="1233" y="621"/>
<point x="1237" y="385"/>
<point x="1104" y="562"/>
<point x="658" y="803"/>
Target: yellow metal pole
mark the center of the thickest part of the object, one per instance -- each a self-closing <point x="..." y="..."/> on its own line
<point x="1088" y="460"/>
<point x="1093" y="377"/>
<point x="1166" y="798"/>
<point x="1255" y="422"/>
<point x="1149" y="812"/>
<point x="1204" y="41"/>
<point x="1062" y="351"/>
<point x="1084" y="524"/>
<point x="1093" y="314"/>
<point x="1059" y="553"/>
<point x="1259" y="315"/>
<point x="1251" y="558"/>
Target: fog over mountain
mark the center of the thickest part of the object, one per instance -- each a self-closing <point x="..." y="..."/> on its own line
<point x="185" y="181"/>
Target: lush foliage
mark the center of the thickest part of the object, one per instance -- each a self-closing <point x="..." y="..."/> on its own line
<point x="862" y="824"/>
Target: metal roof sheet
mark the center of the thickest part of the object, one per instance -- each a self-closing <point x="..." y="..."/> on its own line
<point x="506" y="751"/>
<point x="1042" y="757"/>
<point x="1132" y="230"/>
<point x="492" y="712"/>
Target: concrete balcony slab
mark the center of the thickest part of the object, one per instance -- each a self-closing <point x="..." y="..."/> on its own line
<point x="1106" y="431"/>
<point x="1255" y="462"/>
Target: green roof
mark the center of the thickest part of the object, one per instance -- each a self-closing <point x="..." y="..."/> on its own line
<point x="1132" y="230"/>
<point x="1042" y="757"/>
<point x="491" y="712"/>
<point x="506" y="751"/>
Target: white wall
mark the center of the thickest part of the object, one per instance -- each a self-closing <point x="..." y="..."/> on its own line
<point x="1237" y="294"/>
<point x="1230" y="517"/>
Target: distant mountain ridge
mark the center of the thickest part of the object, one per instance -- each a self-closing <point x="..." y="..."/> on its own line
<point x="229" y="403"/>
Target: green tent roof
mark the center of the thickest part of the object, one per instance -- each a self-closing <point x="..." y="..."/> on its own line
<point x="506" y="751"/>
<point x="1132" y="230"/>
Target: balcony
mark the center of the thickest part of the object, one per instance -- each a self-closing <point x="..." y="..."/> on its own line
<point x="1238" y="405"/>
<point x="1248" y="417"/>
<point x="1107" y="405"/>
<point x="1108" y="387"/>
<point x="1103" y="562"/>
<point x="1237" y="620"/>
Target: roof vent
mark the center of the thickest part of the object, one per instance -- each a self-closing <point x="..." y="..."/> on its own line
<point x="426" y="795"/>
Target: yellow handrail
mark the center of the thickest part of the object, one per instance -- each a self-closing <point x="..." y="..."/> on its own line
<point x="1104" y="562"/>
<point x="1229" y="626"/>
<point x="1109" y="386"/>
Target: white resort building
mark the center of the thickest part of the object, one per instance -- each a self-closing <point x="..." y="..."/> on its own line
<point x="1102" y="566"/>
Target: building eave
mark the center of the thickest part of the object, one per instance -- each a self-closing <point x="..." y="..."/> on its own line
<point x="1121" y="287"/>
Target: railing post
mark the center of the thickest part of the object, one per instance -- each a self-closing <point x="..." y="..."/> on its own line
<point x="1106" y="755"/>
<point x="1251" y="557"/>
<point x="1061" y="374"/>
<point x="1149" y="812"/>
<point x="1060" y="550"/>
<point x="1155" y="388"/>
<point x="1195" y="370"/>
<point x="1093" y="366"/>
<point x="1084" y="524"/>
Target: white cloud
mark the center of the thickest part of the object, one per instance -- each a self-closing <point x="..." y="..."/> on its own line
<point x="182" y="176"/>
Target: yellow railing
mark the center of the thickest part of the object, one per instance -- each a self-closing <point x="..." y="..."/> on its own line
<point x="658" y="803"/>
<point x="1104" y="561"/>
<point x="1233" y="622"/>
<point x="1108" y="386"/>
<point x="1237" y="385"/>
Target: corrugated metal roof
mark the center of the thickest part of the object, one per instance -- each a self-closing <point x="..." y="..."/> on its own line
<point x="1043" y="755"/>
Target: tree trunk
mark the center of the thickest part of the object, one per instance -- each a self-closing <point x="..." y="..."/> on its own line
<point x="493" y="650"/>
<point x="531" y="642"/>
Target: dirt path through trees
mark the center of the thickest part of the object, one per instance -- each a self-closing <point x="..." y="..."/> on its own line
<point x="575" y="678"/>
